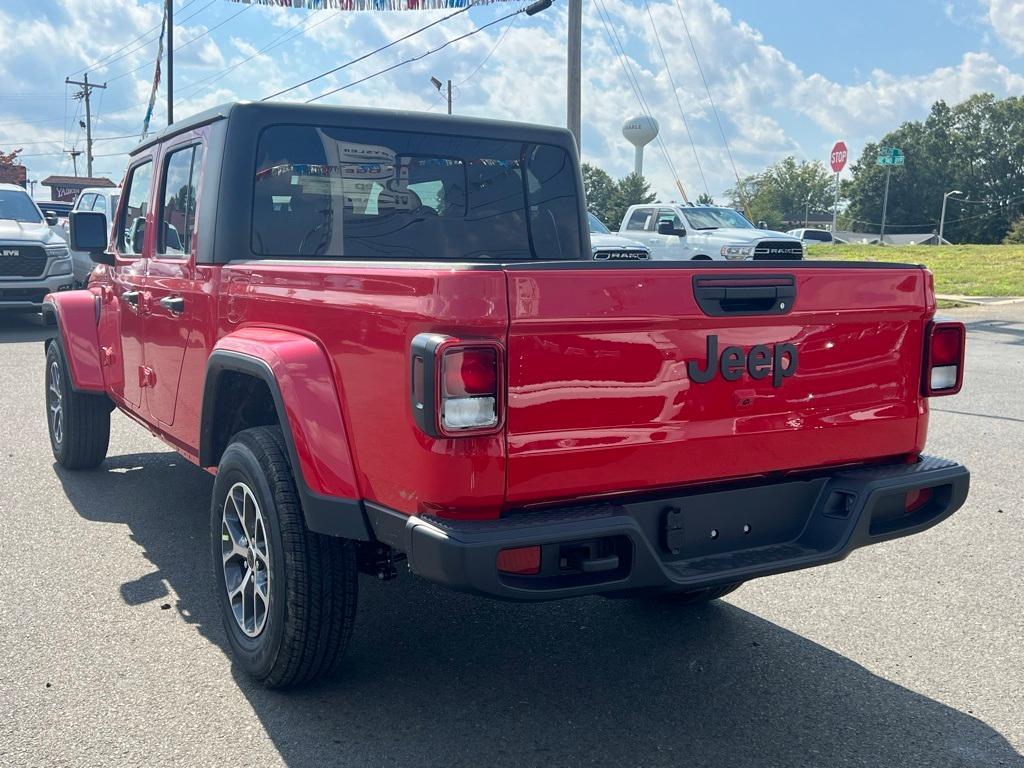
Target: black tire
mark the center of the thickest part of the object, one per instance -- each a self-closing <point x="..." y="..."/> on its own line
<point x="698" y="596"/>
<point x="78" y="423"/>
<point x="311" y="604"/>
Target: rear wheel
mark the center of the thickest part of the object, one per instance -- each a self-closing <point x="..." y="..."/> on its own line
<point x="79" y="423"/>
<point x="288" y="596"/>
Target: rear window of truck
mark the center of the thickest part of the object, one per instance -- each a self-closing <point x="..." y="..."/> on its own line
<point x="361" y="194"/>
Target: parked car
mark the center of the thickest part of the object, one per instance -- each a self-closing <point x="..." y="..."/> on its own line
<point x="387" y="337"/>
<point x="34" y="259"/>
<point x="672" y="231"/>
<point x="811" y="235"/>
<point x="103" y="200"/>
<point x="60" y="209"/>
<point x="609" y="247"/>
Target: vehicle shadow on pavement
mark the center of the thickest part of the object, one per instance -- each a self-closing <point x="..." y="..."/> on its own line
<point x="21" y="327"/>
<point x="1013" y="329"/>
<point x="438" y="678"/>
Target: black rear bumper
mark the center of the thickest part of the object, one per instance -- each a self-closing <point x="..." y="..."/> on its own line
<point x="681" y="541"/>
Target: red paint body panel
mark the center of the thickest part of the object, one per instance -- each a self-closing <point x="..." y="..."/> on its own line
<point x="600" y="400"/>
<point x="76" y="318"/>
<point x="365" y="319"/>
<point x="304" y="377"/>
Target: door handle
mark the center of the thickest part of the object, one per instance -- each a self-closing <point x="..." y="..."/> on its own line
<point x="132" y="299"/>
<point x="173" y="304"/>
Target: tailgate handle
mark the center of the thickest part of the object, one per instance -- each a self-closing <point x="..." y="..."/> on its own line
<point x="720" y="296"/>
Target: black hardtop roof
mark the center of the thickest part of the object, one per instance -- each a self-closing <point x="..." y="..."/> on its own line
<point x="271" y="112"/>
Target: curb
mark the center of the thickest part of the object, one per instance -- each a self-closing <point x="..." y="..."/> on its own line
<point x="981" y="301"/>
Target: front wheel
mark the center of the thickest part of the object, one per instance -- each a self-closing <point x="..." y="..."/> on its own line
<point x="288" y="596"/>
<point x="79" y="423"/>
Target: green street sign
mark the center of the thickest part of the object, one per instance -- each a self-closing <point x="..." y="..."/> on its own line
<point x="889" y="156"/>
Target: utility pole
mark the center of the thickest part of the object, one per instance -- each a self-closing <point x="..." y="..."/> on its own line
<point x="85" y="93"/>
<point x="170" y="61"/>
<point x="572" y="99"/>
<point x="74" y="158"/>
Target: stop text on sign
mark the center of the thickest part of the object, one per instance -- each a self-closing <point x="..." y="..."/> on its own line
<point x="838" y="157"/>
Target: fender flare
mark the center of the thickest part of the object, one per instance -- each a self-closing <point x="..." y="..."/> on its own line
<point x="324" y="478"/>
<point x="77" y="315"/>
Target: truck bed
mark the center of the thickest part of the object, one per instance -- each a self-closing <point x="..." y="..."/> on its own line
<point x="599" y="398"/>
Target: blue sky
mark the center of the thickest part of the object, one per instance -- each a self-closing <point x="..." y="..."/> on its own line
<point x="788" y="77"/>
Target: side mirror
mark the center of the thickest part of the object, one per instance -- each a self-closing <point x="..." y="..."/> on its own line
<point x="89" y="233"/>
<point x="668" y="228"/>
<point x="51" y="218"/>
<point x="762" y="224"/>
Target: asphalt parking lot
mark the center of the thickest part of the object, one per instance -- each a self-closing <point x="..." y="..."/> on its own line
<point x="909" y="653"/>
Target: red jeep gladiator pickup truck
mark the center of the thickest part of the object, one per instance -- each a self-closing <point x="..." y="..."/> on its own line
<point x="384" y="335"/>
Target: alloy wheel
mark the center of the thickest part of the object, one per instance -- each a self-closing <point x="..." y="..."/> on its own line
<point x="55" y="402"/>
<point x="246" y="559"/>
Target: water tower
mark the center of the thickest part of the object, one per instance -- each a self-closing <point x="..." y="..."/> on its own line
<point x="640" y="131"/>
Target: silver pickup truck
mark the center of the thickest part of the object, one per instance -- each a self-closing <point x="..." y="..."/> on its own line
<point x="34" y="260"/>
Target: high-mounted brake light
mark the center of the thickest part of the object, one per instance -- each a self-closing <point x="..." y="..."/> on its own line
<point x="944" y="358"/>
<point x="456" y="385"/>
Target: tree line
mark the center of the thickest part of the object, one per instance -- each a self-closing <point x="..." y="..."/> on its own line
<point x="975" y="147"/>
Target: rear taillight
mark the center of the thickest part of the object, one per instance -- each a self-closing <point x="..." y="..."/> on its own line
<point x="457" y="385"/>
<point x="944" y="358"/>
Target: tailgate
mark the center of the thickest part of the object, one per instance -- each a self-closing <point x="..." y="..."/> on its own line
<point x="606" y="362"/>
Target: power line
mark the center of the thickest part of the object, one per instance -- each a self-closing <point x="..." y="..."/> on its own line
<point x="280" y="39"/>
<point x="183" y="45"/>
<point x="102" y="59"/>
<point x="675" y="93"/>
<point x="530" y="10"/>
<point x="489" y="53"/>
<point x="634" y="83"/>
<point x="714" y="109"/>
<point x="106" y="61"/>
<point x="369" y="54"/>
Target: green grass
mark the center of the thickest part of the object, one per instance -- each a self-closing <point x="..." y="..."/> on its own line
<point x="968" y="270"/>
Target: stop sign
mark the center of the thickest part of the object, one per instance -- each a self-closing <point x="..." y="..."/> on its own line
<point x="838" y="157"/>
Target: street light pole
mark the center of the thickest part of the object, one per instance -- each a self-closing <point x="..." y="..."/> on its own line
<point x="438" y="84"/>
<point x="942" y="218"/>
<point x="885" y="204"/>
<point x="807" y="210"/>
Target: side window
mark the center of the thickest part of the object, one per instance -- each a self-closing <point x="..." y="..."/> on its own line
<point x="131" y="229"/>
<point x="638" y="221"/>
<point x="178" y="201"/>
<point x="667" y="214"/>
<point x="85" y="202"/>
<point x="100" y="204"/>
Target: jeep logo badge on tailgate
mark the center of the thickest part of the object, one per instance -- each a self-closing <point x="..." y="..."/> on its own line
<point x="779" y="361"/>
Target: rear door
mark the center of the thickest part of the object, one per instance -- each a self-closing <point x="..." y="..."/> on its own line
<point x="171" y="279"/>
<point x="609" y="388"/>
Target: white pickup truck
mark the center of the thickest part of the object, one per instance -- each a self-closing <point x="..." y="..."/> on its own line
<point x="672" y="231"/>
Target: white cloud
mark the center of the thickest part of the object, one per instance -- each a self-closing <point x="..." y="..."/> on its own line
<point x="768" y="105"/>
<point x="1007" y="19"/>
